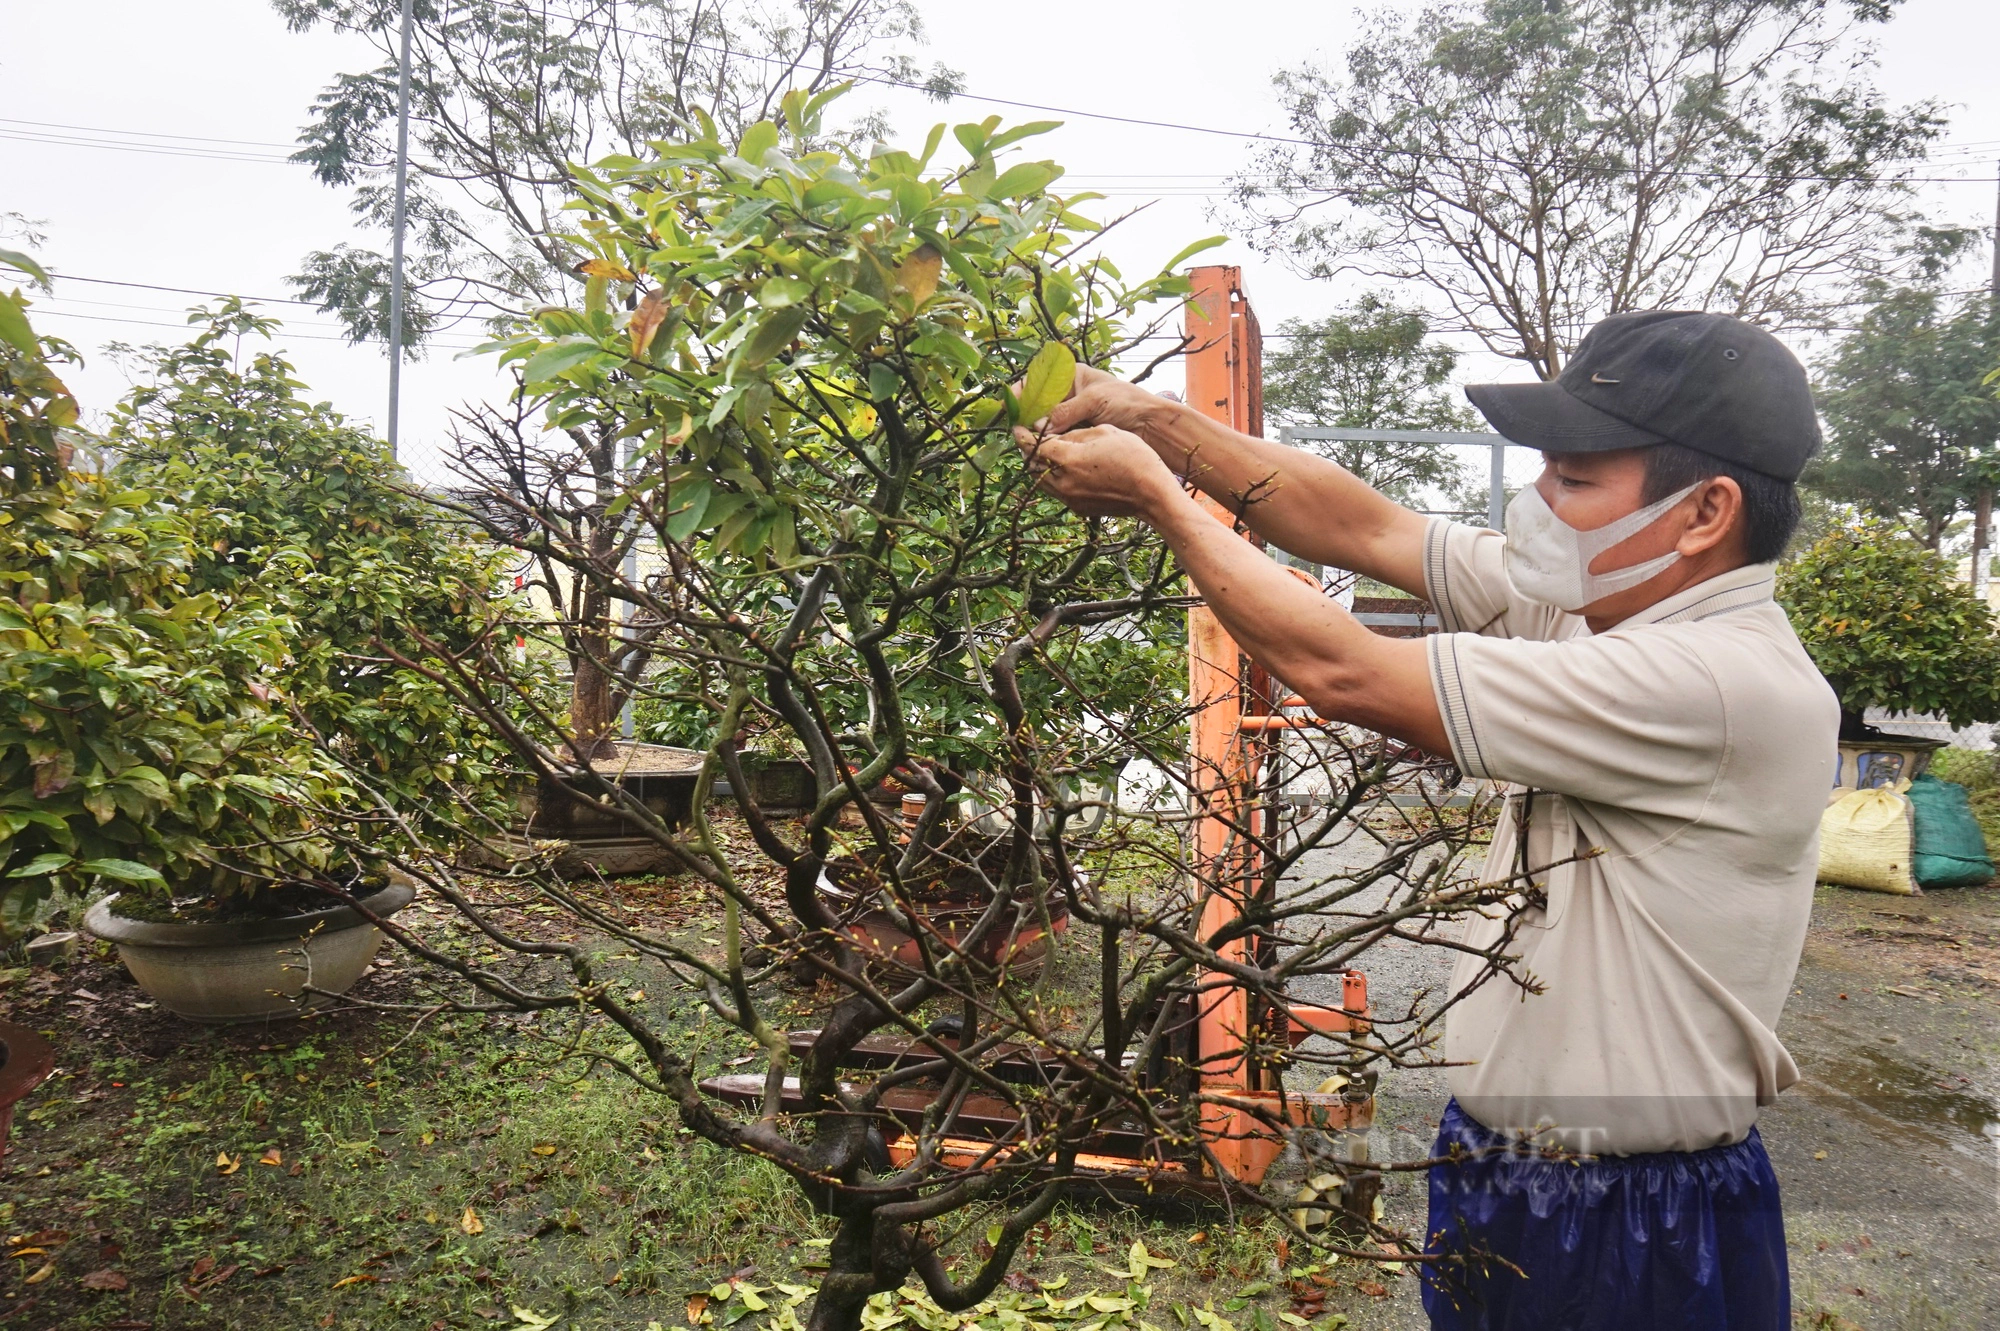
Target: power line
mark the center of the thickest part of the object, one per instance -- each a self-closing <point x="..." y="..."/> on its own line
<point x="150" y="149"/>
<point x="144" y="133"/>
<point x="42" y="312"/>
<point x="885" y="81"/>
<point x="184" y="291"/>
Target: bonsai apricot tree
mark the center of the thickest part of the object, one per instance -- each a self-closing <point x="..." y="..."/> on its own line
<point x="807" y="362"/>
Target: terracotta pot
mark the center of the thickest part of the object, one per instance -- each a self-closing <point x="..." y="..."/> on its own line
<point x="248" y="970"/>
<point x="28" y="1063"/>
<point x="947" y="906"/>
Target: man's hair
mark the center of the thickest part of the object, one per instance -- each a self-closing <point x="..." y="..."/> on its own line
<point x="1770" y="506"/>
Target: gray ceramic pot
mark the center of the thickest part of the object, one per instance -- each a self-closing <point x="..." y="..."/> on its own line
<point x="253" y="970"/>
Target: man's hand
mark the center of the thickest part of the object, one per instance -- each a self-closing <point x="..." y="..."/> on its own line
<point x="1104" y="399"/>
<point x="1100" y="471"/>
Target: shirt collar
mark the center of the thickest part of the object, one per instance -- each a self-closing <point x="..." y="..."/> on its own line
<point x="1738" y="589"/>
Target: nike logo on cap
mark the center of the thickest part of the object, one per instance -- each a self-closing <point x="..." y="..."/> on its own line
<point x="1600" y="379"/>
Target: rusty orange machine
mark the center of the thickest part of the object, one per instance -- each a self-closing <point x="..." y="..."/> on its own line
<point x="1238" y="714"/>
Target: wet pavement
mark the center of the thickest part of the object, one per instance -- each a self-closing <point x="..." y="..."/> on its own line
<point x="1888" y="1149"/>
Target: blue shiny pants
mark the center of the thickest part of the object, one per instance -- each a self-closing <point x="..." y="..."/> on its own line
<point x="1673" y="1241"/>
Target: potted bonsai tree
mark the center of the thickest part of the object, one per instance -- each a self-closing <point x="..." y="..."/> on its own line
<point x="551" y="497"/>
<point x="816" y="357"/>
<point x="1889" y="626"/>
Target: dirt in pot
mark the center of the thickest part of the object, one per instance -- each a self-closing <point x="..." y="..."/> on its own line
<point x="277" y="901"/>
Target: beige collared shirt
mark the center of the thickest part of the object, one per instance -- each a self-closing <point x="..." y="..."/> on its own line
<point x="1691" y="747"/>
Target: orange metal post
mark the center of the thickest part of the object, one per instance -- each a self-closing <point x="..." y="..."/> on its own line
<point x="1225" y="383"/>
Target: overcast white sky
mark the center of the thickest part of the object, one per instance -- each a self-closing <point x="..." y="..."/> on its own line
<point x="228" y="70"/>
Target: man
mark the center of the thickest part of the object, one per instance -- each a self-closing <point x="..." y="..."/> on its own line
<point x="1617" y="662"/>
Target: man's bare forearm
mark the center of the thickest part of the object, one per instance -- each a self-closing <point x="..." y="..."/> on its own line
<point x="1301" y="503"/>
<point x="1304" y="638"/>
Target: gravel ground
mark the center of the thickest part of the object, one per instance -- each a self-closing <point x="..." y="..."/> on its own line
<point x="1888" y="1149"/>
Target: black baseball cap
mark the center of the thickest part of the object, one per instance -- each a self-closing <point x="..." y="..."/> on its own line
<point x="1705" y="381"/>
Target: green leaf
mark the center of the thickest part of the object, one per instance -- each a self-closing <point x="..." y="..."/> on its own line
<point x="774" y="332"/>
<point x="42" y="865"/>
<point x="1207" y="243"/>
<point x="1022" y="178"/>
<point x="692" y="499"/>
<point x="757" y="140"/>
<point x="883" y="382"/>
<point x="551" y="361"/>
<point x="1051" y="374"/>
<point x="14" y="328"/>
<point x="124" y="871"/>
<point x="780" y="292"/>
<point x="16" y="259"/>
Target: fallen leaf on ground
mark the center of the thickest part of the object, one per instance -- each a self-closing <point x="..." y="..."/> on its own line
<point x="1373" y="1289"/>
<point x="697" y="1305"/>
<point x="105" y="1279"/>
<point x="227" y="1164"/>
<point x="363" y="1279"/>
<point x="471" y="1223"/>
<point x="271" y="1157"/>
<point x="41" y="1275"/>
<point x="533" y="1320"/>
<point x="543" y="1149"/>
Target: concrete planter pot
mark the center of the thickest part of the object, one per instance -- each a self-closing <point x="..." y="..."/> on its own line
<point x="250" y="970"/>
<point x="25" y="1063"/>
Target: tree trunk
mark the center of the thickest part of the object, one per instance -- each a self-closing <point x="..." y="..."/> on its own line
<point x="591" y="718"/>
<point x="590" y="715"/>
<point x="1982" y="520"/>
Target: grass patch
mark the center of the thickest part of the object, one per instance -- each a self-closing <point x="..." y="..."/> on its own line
<point x="349" y="1171"/>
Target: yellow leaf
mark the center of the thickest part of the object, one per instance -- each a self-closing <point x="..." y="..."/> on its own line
<point x="271" y="1157"/>
<point x="226" y="1164"/>
<point x="1819" y="1155"/>
<point x="697" y="1308"/>
<point x="30" y="1252"/>
<point x="471" y="1223"/>
<point x="543" y="1149"/>
<point x="636" y="996"/>
<point x="427" y="1139"/>
<point x="363" y="1279"/>
<point x="606" y="268"/>
<point x="918" y="274"/>
<point x="41" y="1275"/>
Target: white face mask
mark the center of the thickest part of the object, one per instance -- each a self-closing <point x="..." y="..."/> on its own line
<point x="1547" y="560"/>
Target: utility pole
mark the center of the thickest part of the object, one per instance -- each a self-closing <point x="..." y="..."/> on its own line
<point x="396" y="241"/>
<point x="1982" y="510"/>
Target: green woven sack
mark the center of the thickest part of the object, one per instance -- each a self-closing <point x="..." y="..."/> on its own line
<point x="1949" y="850"/>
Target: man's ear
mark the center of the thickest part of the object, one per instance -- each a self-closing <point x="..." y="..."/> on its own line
<point x="1716" y="517"/>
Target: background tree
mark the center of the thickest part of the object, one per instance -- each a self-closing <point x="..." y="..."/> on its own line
<point x="1889" y="626"/>
<point x="815" y="355"/>
<point x="1539" y="164"/>
<point x="1911" y="426"/>
<point x="504" y="95"/>
<point x="1371" y="367"/>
